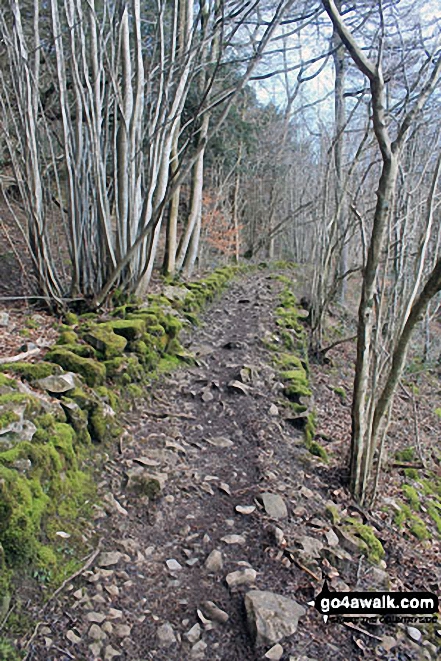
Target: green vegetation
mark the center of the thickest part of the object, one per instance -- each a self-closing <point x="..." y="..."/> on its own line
<point x="413" y="522"/>
<point x="408" y="454"/>
<point x="412" y="496"/>
<point x="369" y="543"/>
<point x="341" y="392"/>
<point x="30" y="371"/>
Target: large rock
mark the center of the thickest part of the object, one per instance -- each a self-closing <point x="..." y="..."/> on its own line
<point x="274" y="505"/>
<point x="271" y="617"/>
<point x="58" y="383"/>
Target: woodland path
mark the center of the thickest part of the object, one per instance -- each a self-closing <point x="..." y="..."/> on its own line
<point x="140" y="599"/>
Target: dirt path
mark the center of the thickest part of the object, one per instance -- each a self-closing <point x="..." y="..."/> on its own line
<point x="215" y="447"/>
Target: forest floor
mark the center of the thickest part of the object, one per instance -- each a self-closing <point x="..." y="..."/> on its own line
<point x="164" y="584"/>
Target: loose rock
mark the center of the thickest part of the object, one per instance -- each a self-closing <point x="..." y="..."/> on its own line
<point x="271" y="616"/>
<point x="214" y="563"/>
<point x="241" y="577"/>
<point x="198" y="650"/>
<point x="275" y="653"/>
<point x="274" y="505"/>
<point x="414" y="633"/>
<point x="194" y="633"/>
<point x="166" y="635"/>
<point x="108" y="559"/>
<point x="214" y="612"/>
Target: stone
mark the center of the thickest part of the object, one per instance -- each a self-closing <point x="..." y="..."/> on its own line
<point x="349" y="542"/>
<point x="273" y="410"/>
<point x="4" y="319"/>
<point x="241" y="577"/>
<point x="73" y="638"/>
<point x="173" y="565"/>
<point x="233" y="539"/>
<point x="311" y="546"/>
<point x="220" y="442"/>
<point x="110" y="653"/>
<point x="271" y="617"/>
<point x="275" y="653"/>
<point x="198" y="650"/>
<point x="214" y="562"/>
<point x="95" y="617"/>
<point x="245" y="509"/>
<point x="166" y="635"/>
<point x="331" y="538"/>
<point x="274" y="505"/>
<point x="175" y="293"/>
<point x="109" y="558"/>
<point x="194" y="633"/>
<point x="415" y="634"/>
<point x="96" y="633"/>
<point x="95" y="648"/>
<point x="122" y="630"/>
<point x="214" y="613"/>
<point x="142" y="482"/>
<point x="58" y="383"/>
<point x="375" y="579"/>
<point x="338" y="557"/>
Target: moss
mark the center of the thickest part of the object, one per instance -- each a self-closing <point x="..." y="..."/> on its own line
<point x="318" y="451"/>
<point x="103" y="339"/>
<point x="67" y="337"/>
<point x="418" y="528"/>
<point x="131" y="329"/>
<point x="82" y="350"/>
<point x="415" y="525"/>
<point x="438" y="412"/>
<point x="411" y="473"/>
<point x="373" y="547"/>
<point x="93" y="372"/>
<point x="71" y="319"/>
<point x="109" y="396"/>
<point x="341" y="392"/>
<point x="333" y="513"/>
<point x="31" y="371"/>
<point x="7" y="651"/>
<point x="135" y="391"/>
<point x="435" y="514"/>
<point x="11" y="399"/>
<point x="192" y="318"/>
<point x="408" y="454"/>
<point x="7" y="382"/>
<point x="289" y="361"/>
<point x="412" y="496"/>
<point x="297" y="384"/>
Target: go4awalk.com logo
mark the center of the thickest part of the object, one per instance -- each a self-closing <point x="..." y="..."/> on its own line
<point x="386" y="605"/>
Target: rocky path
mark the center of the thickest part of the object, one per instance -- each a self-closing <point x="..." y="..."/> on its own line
<point x="202" y="500"/>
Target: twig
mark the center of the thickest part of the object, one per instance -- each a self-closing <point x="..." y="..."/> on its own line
<point x="366" y="633"/>
<point x="163" y="414"/>
<point x="31" y="639"/>
<point x="6" y="618"/>
<point x="20" y="356"/>
<point x="324" y="351"/>
<point x="299" y="564"/>
<point x="82" y="569"/>
<point x="400" y="464"/>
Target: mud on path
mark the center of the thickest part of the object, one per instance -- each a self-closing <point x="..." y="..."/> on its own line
<point x="215" y="447"/>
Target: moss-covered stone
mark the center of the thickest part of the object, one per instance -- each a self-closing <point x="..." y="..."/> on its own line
<point x="93" y="372"/>
<point x="371" y="546"/>
<point x="131" y="329"/>
<point x="67" y="337"/>
<point x="71" y="319"/>
<point x="103" y="339"/>
<point x="31" y="371"/>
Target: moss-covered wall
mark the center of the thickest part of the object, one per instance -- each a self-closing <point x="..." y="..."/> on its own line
<point x="47" y="442"/>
